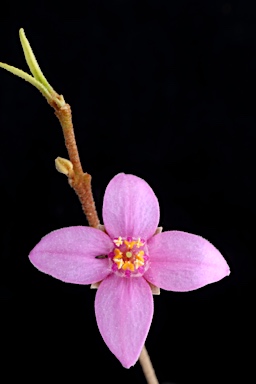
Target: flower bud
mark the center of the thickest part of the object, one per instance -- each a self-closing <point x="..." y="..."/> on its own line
<point x="64" y="166"/>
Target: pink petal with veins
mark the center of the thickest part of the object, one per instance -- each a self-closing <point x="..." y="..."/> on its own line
<point x="182" y="262"/>
<point x="68" y="254"/>
<point x="124" y="311"/>
<point x="130" y="207"/>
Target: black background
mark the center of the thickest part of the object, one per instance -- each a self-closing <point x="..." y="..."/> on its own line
<point x="161" y="89"/>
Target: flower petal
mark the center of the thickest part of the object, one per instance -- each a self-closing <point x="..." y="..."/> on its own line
<point x="68" y="254"/>
<point x="124" y="311"/>
<point x="130" y="207"/>
<point x="183" y="262"/>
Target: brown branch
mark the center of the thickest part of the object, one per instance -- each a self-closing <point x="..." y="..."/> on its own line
<point x="65" y="118"/>
<point x="79" y="181"/>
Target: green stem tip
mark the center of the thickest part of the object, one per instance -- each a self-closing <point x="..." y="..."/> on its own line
<point x="38" y="80"/>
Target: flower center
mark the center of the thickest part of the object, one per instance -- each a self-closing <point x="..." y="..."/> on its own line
<point x="129" y="258"/>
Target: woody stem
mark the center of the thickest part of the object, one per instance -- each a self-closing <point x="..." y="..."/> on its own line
<point x="79" y="181"/>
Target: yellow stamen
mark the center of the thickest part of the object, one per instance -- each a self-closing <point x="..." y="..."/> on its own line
<point x="128" y="265"/>
<point x="128" y="254"/>
<point x="119" y="263"/>
<point x="119" y="241"/>
<point x="118" y="253"/>
<point x="138" y="263"/>
<point x="140" y="255"/>
<point x="129" y="244"/>
<point x="139" y="243"/>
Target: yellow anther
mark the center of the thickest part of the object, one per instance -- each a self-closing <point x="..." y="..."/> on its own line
<point x="140" y="255"/>
<point x="118" y="253"/>
<point x="119" y="263"/>
<point x="128" y="254"/>
<point x="138" y="263"/>
<point x="128" y="265"/>
<point x="129" y="244"/>
<point x="139" y="243"/>
<point x="118" y="241"/>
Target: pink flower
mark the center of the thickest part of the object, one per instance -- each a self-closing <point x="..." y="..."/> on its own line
<point x="173" y="260"/>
